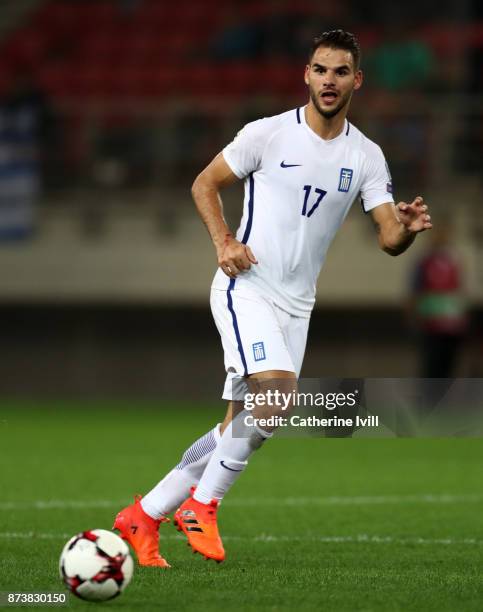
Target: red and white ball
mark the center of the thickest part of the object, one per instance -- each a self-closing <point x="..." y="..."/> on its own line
<point x="96" y="565"/>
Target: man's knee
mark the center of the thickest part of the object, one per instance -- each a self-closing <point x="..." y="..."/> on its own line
<point x="274" y="390"/>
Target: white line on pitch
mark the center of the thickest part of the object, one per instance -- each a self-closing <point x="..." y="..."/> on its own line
<point x="363" y="538"/>
<point x="358" y="500"/>
<point x="429" y="498"/>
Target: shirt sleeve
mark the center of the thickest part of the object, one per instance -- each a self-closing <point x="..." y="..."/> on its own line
<point x="377" y="186"/>
<point x="244" y="153"/>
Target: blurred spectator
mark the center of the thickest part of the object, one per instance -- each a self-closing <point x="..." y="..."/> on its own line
<point x="278" y="29"/>
<point x="124" y="153"/>
<point x="401" y="61"/>
<point x="281" y="24"/>
<point x="438" y="305"/>
<point x="399" y="71"/>
<point x="25" y="128"/>
<point x="289" y="27"/>
<point x="129" y="6"/>
<point x="467" y="151"/>
<point x="239" y="37"/>
<point x="377" y="13"/>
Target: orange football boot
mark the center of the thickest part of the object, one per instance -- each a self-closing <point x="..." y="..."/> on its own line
<point x="141" y="531"/>
<point x="198" y="522"/>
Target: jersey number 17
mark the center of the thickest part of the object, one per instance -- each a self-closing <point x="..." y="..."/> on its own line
<point x="320" y="196"/>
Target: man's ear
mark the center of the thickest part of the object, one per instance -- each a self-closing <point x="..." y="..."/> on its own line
<point x="306" y="74"/>
<point x="359" y="77"/>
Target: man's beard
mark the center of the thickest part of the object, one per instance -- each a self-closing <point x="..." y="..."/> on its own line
<point x="328" y="114"/>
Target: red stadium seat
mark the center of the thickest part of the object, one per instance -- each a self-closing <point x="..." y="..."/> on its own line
<point x="237" y="79"/>
<point x="285" y="79"/>
<point x="27" y="47"/>
<point x="155" y="83"/>
<point x="56" y="78"/>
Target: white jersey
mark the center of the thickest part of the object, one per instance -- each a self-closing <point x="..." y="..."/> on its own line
<point x="298" y="190"/>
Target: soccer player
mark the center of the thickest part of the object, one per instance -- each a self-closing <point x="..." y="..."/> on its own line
<point x="302" y="170"/>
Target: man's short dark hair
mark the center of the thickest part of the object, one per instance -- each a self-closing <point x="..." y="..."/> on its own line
<point x="338" y="39"/>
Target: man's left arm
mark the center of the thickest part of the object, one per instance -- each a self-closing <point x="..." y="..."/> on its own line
<point x="397" y="225"/>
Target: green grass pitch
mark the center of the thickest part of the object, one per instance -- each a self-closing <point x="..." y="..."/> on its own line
<point x="313" y="524"/>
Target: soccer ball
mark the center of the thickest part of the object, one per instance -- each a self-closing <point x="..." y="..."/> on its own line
<point x="96" y="565"/>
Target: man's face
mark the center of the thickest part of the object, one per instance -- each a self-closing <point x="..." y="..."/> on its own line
<point x="332" y="78"/>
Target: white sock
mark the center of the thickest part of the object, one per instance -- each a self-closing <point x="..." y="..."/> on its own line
<point x="229" y="459"/>
<point x="175" y="487"/>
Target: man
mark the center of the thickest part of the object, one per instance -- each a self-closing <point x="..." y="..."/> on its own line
<point x="437" y="305"/>
<point x="302" y="170"/>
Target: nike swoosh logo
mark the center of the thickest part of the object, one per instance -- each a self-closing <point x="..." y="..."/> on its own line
<point x="222" y="463"/>
<point x="284" y="165"/>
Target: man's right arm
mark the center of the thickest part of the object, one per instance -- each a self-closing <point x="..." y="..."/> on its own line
<point x="233" y="256"/>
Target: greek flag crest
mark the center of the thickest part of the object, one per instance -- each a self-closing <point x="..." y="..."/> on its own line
<point x="259" y="351"/>
<point x="345" y="179"/>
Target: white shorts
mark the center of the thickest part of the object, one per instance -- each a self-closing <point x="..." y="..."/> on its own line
<point x="256" y="335"/>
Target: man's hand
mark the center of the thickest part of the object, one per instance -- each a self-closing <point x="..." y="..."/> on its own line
<point x="234" y="257"/>
<point x="414" y="216"/>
